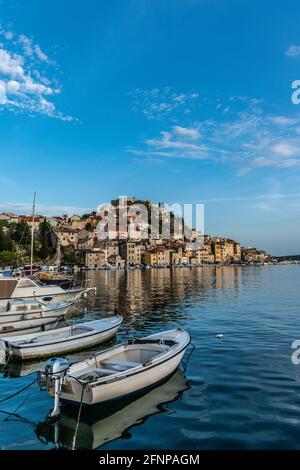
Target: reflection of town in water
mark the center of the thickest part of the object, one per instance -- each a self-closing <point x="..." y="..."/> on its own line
<point x="160" y="295"/>
<point x="149" y="300"/>
<point x="216" y="377"/>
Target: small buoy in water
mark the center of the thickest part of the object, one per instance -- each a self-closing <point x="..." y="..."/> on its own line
<point x="219" y="336"/>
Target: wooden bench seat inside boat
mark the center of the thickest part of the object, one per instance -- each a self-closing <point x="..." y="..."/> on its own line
<point x="122" y="361"/>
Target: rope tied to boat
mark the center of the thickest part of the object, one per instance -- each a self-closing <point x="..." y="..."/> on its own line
<point x="19" y="391"/>
<point x="78" y="418"/>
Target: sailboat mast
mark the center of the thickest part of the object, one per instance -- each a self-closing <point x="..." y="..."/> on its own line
<point x="32" y="233"/>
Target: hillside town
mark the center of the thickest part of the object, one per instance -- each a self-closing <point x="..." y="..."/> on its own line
<point x="75" y="240"/>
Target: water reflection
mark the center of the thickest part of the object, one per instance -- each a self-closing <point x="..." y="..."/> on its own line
<point x="149" y="300"/>
<point x="244" y="389"/>
<point x="160" y="295"/>
<point x="101" y="424"/>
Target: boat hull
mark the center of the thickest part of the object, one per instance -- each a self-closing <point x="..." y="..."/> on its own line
<point x="123" y="387"/>
<point x="68" y="296"/>
<point x="118" y="385"/>
<point x="27" y="326"/>
<point x="11" y="317"/>
<point x="65" y="347"/>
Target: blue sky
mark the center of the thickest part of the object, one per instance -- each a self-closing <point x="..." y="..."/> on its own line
<point x="177" y="101"/>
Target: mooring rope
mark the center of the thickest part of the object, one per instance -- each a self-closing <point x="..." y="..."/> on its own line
<point x="185" y="363"/>
<point x="78" y="419"/>
<point x="18" y="391"/>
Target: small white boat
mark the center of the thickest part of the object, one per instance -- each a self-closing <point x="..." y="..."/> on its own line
<point x="116" y="372"/>
<point x="60" y="341"/>
<point x="25" y="287"/>
<point x="29" y="309"/>
<point x="26" y="326"/>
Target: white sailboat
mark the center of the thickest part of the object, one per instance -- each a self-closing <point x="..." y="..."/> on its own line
<point x="27" y="288"/>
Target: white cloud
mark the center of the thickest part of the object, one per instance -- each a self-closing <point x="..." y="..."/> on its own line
<point x="191" y="133"/>
<point x="12" y="87"/>
<point x="169" y="140"/>
<point x="25" y="85"/>
<point x="293" y="51"/>
<point x="26" y="208"/>
<point x="40" y="54"/>
<point x="283" y="120"/>
<point x="30" y="86"/>
<point x="246" y="138"/>
<point x="8" y="35"/>
<point x="285" y="149"/>
<point x="11" y="65"/>
<point x="3" y="97"/>
<point x="273" y="196"/>
<point x="160" y="104"/>
<point x="27" y="45"/>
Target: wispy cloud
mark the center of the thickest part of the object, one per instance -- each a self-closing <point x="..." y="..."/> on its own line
<point x="293" y="51"/>
<point x="158" y="104"/>
<point x="246" y="136"/>
<point x="25" y="85"/>
<point x="26" y="208"/>
<point x="273" y="196"/>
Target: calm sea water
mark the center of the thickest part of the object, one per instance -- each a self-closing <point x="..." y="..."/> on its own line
<point x="239" y="392"/>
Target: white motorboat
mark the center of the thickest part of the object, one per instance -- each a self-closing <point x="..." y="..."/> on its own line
<point x="26" y="326"/>
<point x="116" y="372"/>
<point x="60" y="341"/>
<point x="25" y="287"/>
<point x="104" y="424"/>
<point x="6" y="272"/>
<point x="29" y="309"/>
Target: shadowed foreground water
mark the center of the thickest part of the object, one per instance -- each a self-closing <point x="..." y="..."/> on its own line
<point x="239" y="392"/>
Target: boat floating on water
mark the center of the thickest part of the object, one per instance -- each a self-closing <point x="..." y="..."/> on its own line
<point x="29" y="309"/>
<point x="25" y="287"/>
<point x="26" y="326"/>
<point x="61" y="340"/>
<point x="115" y="373"/>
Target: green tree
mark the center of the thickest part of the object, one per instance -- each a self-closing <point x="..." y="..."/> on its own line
<point x="5" y="239"/>
<point x="69" y="256"/>
<point x="45" y="239"/>
<point x="7" y="258"/>
<point x="22" y="233"/>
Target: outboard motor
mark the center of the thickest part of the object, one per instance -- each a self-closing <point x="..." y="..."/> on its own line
<point x="56" y="369"/>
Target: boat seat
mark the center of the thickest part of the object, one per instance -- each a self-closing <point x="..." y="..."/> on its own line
<point x="102" y="371"/>
<point x="95" y="373"/>
<point x="119" y="365"/>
